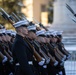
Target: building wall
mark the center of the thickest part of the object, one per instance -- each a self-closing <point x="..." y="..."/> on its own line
<point x="34" y="9"/>
<point x="37" y="8"/>
<point x="28" y="11"/>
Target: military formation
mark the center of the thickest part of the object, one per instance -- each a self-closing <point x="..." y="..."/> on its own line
<point x="31" y="49"/>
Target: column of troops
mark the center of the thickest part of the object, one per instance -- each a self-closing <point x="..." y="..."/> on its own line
<point x="31" y="50"/>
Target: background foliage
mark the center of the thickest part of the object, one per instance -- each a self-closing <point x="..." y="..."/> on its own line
<point x="9" y="6"/>
<point x="12" y="6"/>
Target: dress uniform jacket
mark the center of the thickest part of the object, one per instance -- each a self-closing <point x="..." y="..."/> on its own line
<point x="41" y="69"/>
<point x="1" y="66"/>
<point x="60" y="44"/>
<point x="22" y="54"/>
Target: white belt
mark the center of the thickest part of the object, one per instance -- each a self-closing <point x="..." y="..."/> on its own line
<point x="29" y="62"/>
<point x="17" y="64"/>
<point x="44" y="66"/>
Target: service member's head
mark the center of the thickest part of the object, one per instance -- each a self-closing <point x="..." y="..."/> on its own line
<point x="54" y="37"/>
<point x="32" y="32"/>
<point x="48" y="37"/>
<point x="3" y="35"/>
<point x="59" y="36"/>
<point x="0" y="36"/>
<point x="8" y="35"/>
<point x="41" y="36"/>
<point x="2" y="27"/>
<point x="13" y="35"/>
<point x="21" y="27"/>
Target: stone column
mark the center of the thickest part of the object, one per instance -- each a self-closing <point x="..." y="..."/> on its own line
<point x="61" y="20"/>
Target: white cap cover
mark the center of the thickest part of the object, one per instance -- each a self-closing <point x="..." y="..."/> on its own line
<point x="32" y="27"/>
<point x="40" y="32"/>
<point x="20" y="23"/>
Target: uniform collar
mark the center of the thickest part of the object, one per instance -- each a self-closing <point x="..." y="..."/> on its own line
<point x="19" y="36"/>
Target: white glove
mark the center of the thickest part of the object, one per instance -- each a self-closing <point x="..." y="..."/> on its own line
<point x="68" y="56"/>
<point x="60" y="73"/>
<point x="11" y="60"/>
<point x="42" y="62"/>
<point x="56" y="63"/>
<point x="44" y="66"/>
<point x="5" y="59"/>
<point x="43" y="59"/>
<point x="62" y="63"/>
<point x="47" y="61"/>
<point x="63" y="59"/>
<point x="11" y="73"/>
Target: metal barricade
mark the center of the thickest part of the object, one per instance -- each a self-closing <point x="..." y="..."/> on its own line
<point x="70" y="65"/>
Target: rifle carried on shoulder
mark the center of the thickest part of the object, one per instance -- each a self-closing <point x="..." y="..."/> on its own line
<point x="40" y="24"/>
<point x="6" y="16"/>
